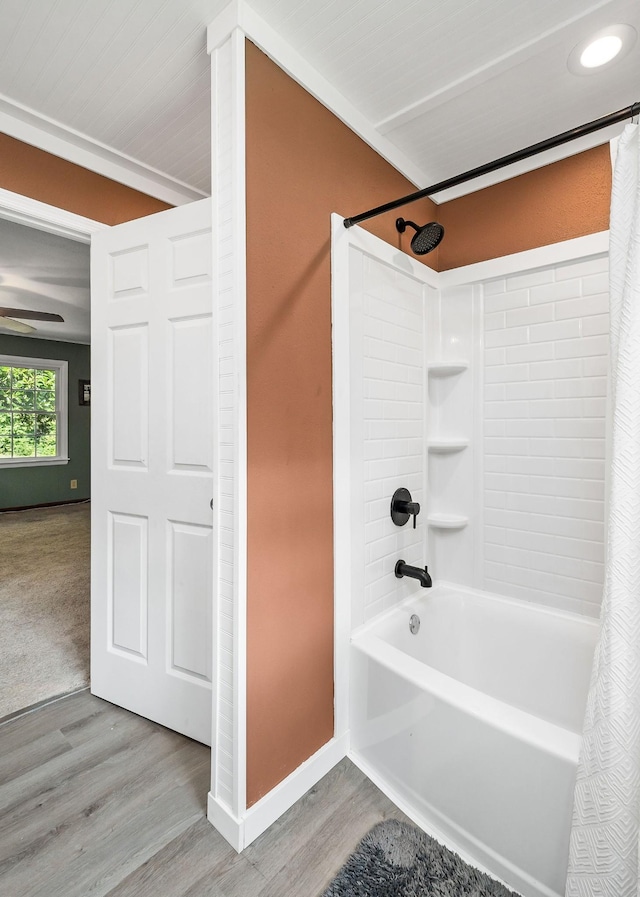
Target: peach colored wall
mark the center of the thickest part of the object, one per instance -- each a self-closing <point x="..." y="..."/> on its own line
<point x="567" y="199"/>
<point x="32" y="172"/>
<point x="302" y="164"/>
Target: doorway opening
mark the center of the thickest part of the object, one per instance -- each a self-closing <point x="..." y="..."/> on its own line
<point x="44" y="452"/>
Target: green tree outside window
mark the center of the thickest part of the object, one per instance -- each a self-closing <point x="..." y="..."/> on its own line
<point x="28" y="418"/>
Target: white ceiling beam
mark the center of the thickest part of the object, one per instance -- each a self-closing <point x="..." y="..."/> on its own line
<point x="484" y="73"/>
<point x="37" y="130"/>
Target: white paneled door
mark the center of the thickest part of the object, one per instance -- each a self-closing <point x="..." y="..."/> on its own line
<point x="152" y="467"/>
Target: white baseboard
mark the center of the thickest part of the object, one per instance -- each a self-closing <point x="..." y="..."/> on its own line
<point x="240" y="832"/>
<point x="222" y="819"/>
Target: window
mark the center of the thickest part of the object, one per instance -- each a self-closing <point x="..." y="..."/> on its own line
<point x="33" y="411"/>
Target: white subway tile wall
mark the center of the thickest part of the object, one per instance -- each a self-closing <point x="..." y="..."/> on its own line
<point x="545" y="376"/>
<point x="394" y="453"/>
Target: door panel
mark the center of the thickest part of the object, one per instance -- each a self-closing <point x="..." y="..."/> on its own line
<point x="192" y="444"/>
<point x="127" y="593"/>
<point x="152" y="477"/>
<point x="129" y="392"/>
<point x="190" y="554"/>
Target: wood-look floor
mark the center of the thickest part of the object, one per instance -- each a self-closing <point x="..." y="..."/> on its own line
<point x="96" y="801"/>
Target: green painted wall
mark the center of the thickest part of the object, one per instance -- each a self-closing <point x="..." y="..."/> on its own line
<point x="24" y="486"/>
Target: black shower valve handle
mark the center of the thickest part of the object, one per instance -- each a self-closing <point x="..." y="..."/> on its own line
<point x="403" y="507"/>
<point x="412" y="508"/>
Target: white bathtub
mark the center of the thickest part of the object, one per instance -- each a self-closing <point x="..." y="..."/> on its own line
<point x="472" y="726"/>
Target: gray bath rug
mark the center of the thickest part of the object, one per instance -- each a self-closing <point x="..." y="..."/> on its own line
<point x="398" y="860"/>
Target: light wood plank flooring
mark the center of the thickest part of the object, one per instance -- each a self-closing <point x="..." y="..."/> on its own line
<point x="98" y="802"/>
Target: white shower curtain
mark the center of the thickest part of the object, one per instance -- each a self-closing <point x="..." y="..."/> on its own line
<point x="603" y="857"/>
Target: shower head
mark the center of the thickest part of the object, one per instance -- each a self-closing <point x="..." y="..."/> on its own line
<point x="425" y="238"/>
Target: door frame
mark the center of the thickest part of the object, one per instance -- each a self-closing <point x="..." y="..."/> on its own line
<point x="33" y="213"/>
<point x="38" y="215"/>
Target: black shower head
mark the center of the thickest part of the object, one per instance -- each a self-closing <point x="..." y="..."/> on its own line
<point x="425" y="238"/>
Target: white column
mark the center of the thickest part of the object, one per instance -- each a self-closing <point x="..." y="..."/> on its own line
<point x="227" y="798"/>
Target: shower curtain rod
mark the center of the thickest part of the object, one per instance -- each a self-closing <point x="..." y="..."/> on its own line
<point x="502" y="162"/>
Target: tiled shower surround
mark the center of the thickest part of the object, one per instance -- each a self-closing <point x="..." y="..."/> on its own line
<point x="518" y="509"/>
<point x="393" y="393"/>
<point x="545" y="386"/>
<point x="505" y="445"/>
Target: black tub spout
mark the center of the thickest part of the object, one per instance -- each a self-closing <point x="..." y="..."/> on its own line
<point x="418" y="573"/>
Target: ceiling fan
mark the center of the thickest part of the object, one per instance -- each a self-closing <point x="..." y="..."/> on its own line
<point x="7" y="321"/>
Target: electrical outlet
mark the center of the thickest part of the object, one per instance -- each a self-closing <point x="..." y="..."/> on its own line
<point x="74" y="484"/>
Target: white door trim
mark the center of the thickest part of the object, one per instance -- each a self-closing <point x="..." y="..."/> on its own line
<point x="33" y="213"/>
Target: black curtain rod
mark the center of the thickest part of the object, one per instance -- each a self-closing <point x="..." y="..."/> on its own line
<point x="502" y="162"/>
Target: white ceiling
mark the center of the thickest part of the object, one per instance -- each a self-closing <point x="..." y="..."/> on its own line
<point x="123" y="85"/>
<point x="450" y="83"/>
<point x="457" y="83"/>
<point x="44" y="272"/>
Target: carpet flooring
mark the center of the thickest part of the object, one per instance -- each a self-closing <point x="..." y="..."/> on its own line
<point x="44" y="604"/>
<point x="398" y="860"/>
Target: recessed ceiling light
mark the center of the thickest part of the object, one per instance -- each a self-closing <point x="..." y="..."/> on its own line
<point x="603" y="49"/>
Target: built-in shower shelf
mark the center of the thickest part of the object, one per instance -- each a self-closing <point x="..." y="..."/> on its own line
<point x="446" y="446"/>
<point x="447" y="521"/>
<point x="447" y="368"/>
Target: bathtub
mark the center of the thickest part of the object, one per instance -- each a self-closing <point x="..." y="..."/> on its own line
<point x="472" y="726"/>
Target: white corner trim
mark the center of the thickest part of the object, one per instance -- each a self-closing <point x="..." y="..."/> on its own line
<point x="241" y="831"/>
<point x="224" y="24"/>
<point x="40" y="215"/>
<point x="46" y="134"/>
<point x="341" y="350"/>
<point x="240" y="556"/>
<point x="238" y="14"/>
<point x="519" y="262"/>
<point x="229" y="241"/>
